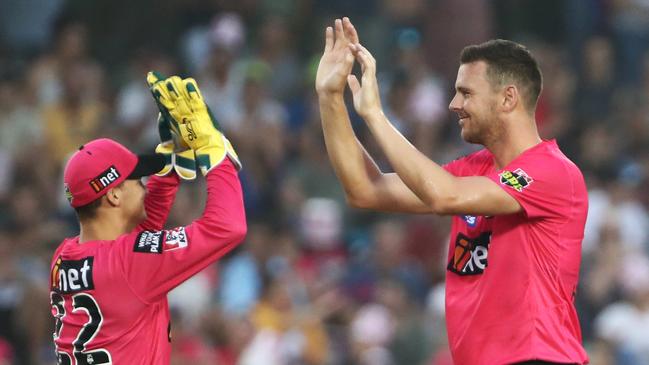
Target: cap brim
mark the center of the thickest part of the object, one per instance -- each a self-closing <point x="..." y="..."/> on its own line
<point x="147" y="165"/>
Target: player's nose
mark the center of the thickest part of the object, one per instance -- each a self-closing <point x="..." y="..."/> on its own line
<point x="456" y="104"/>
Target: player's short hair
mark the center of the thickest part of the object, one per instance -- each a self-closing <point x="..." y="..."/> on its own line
<point x="88" y="211"/>
<point x="508" y="62"/>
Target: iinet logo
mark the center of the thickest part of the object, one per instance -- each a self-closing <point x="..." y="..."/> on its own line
<point x="104" y="179"/>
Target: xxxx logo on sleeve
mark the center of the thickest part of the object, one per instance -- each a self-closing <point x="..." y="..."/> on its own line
<point x="518" y="179"/>
<point x="470" y="254"/>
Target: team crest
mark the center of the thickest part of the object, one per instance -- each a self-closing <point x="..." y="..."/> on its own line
<point x="517" y="180"/>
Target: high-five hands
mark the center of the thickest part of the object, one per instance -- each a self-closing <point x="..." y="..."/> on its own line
<point x="337" y="59"/>
<point x="367" y="101"/>
<point x="342" y="47"/>
<point x="192" y="120"/>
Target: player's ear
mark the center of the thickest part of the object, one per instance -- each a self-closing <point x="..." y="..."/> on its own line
<point x="510" y="98"/>
<point x="114" y="196"/>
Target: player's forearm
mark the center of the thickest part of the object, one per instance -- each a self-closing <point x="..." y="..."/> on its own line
<point x="223" y="219"/>
<point x="160" y="196"/>
<point x="428" y="181"/>
<point x="354" y="168"/>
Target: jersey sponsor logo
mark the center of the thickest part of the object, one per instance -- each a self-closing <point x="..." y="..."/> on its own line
<point x="470" y="255"/>
<point x="148" y="242"/>
<point x="72" y="276"/>
<point x="518" y="179"/>
<point x="175" y="238"/>
<point x="104" y="179"/>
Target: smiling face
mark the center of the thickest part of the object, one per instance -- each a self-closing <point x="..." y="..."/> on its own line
<point x="475" y="102"/>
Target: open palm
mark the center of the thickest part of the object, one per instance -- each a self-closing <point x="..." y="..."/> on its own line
<point x="366" y="92"/>
<point x="337" y="59"/>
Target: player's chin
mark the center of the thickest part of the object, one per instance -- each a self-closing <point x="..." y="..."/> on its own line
<point x="467" y="136"/>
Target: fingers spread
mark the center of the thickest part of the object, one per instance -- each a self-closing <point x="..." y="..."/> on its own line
<point x="161" y="95"/>
<point x="340" y="34"/>
<point x="153" y="77"/>
<point x="365" y="58"/>
<point x="349" y="59"/>
<point x="350" y="31"/>
<point x="172" y="84"/>
<point x="329" y="39"/>
<point x="366" y="52"/>
<point x="178" y="95"/>
<point x="193" y="93"/>
<point x="353" y="83"/>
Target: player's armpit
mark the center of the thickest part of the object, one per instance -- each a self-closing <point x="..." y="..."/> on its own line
<point x="476" y="195"/>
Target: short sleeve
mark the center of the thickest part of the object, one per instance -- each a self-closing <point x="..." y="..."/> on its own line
<point x="541" y="184"/>
<point x="472" y="164"/>
<point x="453" y="167"/>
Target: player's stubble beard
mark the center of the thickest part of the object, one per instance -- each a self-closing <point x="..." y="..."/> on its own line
<point x="483" y="128"/>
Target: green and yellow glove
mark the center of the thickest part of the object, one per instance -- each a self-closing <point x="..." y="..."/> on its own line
<point x="178" y="156"/>
<point x="194" y="122"/>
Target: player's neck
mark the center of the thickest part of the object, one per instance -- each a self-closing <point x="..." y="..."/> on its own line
<point x="101" y="229"/>
<point x="520" y="135"/>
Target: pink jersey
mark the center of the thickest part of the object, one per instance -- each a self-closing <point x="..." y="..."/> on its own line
<point x="511" y="279"/>
<point x="109" y="298"/>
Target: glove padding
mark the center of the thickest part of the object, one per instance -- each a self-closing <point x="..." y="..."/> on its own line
<point x="192" y="119"/>
<point x="178" y="156"/>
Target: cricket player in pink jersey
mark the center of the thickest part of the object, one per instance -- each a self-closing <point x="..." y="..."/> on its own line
<point x="109" y="284"/>
<point x="519" y="205"/>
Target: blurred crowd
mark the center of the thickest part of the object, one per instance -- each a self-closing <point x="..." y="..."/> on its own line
<point x="316" y="282"/>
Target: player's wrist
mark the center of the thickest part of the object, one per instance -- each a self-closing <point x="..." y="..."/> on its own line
<point x="372" y="115"/>
<point x="327" y="96"/>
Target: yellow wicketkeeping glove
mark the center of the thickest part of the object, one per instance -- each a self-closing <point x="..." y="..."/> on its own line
<point x="178" y="156"/>
<point x="194" y="122"/>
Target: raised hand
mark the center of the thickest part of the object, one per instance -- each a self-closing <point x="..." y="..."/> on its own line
<point x="367" y="101"/>
<point x="178" y="156"/>
<point x="337" y="59"/>
<point x="182" y="101"/>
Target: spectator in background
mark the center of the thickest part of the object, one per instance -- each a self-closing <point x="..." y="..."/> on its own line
<point x="241" y="275"/>
<point x="274" y="49"/>
<point x="218" y="40"/>
<point x="597" y="83"/>
<point x="285" y="333"/>
<point x="625" y="324"/>
<point x="259" y="134"/>
<point x="221" y="71"/>
<point x="372" y="330"/>
<point x="70" y="48"/>
<point x="77" y="116"/>
<point x="630" y="28"/>
<point x="134" y="114"/>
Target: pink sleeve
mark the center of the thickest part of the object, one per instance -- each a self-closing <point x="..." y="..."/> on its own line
<point x="156" y="261"/>
<point x="160" y="195"/>
<point x="454" y="166"/>
<point x="467" y="165"/>
<point x="541" y="183"/>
